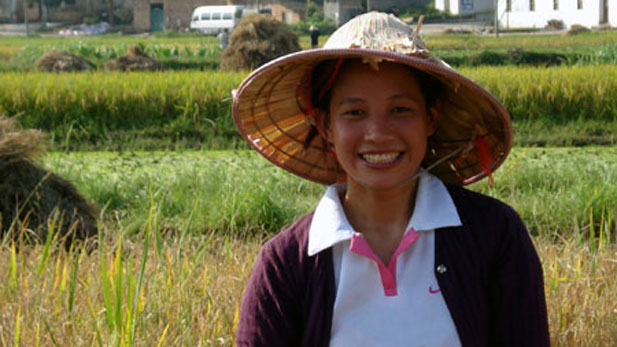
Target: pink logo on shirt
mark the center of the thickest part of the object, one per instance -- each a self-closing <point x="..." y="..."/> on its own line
<point x="433" y="291"/>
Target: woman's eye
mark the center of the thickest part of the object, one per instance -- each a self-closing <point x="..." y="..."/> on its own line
<point x="353" y="113"/>
<point x="402" y="109"/>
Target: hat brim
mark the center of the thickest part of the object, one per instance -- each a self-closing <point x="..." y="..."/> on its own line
<point x="271" y="116"/>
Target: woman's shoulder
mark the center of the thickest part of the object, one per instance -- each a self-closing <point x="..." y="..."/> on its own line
<point x="291" y="241"/>
<point x="474" y="205"/>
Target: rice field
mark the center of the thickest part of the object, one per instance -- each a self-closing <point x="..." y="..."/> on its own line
<point x="551" y="41"/>
<point x="196" y="106"/>
<point x="178" y="242"/>
<point x="180" y="228"/>
<point x="557" y="191"/>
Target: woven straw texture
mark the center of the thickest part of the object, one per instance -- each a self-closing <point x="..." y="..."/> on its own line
<point x="474" y="133"/>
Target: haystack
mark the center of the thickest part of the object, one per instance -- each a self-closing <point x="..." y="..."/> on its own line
<point x="257" y="40"/>
<point x="135" y="60"/>
<point x="576" y="29"/>
<point x="62" y="61"/>
<point x="32" y="198"/>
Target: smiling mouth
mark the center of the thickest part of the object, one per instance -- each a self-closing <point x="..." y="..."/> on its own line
<point x="382" y="158"/>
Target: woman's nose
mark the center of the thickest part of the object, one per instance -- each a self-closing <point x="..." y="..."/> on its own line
<point x="378" y="128"/>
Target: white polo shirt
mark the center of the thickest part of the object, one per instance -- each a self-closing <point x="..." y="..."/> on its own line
<point x="395" y="304"/>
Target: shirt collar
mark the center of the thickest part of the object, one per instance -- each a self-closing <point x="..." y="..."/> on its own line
<point x="434" y="209"/>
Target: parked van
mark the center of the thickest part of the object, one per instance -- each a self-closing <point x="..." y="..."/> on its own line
<point x="211" y="20"/>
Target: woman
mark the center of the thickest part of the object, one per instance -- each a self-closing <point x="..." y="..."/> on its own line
<point x="396" y="253"/>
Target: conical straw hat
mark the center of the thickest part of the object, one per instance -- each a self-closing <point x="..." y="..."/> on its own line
<point x="474" y="134"/>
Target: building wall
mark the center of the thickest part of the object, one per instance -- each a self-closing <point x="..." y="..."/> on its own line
<point x="63" y="13"/>
<point x="612" y="12"/>
<point x="177" y="13"/>
<point x="465" y="6"/>
<point x="521" y="16"/>
<point x="286" y="13"/>
<point x="386" y="5"/>
<point x="141" y="15"/>
<point x="341" y="11"/>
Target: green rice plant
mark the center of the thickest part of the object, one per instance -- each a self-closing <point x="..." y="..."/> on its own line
<point x="553" y="95"/>
<point x="239" y="193"/>
<point x="162" y="109"/>
<point x="174" y="105"/>
<point x="161" y="275"/>
<point x="196" y="302"/>
<point x="462" y="41"/>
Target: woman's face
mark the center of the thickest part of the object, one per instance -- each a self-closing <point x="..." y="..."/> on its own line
<point x="378" y="124"/>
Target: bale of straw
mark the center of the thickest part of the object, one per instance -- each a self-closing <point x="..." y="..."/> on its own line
<point x="576" y="29"/>
<point x="135" y="60"/>
<point x="32" y="199"/>
<point x="62" y="61"/>
<point x="255" y="41"/>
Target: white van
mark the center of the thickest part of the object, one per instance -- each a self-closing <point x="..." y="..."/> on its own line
<point x="211" y="20"/>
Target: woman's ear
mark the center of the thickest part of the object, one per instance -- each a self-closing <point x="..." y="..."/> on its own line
<point x="322" y="124"/>
<point x="434" y="115"/>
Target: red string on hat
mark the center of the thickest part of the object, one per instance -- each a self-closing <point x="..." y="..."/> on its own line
<point x="330" y="81"/>
<point x="484" y="157"/>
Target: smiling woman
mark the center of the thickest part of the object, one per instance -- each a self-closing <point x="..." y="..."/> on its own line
<point x="395" y="133"/>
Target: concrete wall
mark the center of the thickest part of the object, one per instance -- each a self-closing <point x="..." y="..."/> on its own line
<point x="62" y="13"/>
<point x="522" y="17"/>
<point x="177" y="13"/>
<point x="287" y="14"/>
<point x="341" y="11"/>
<point x="465" y="6"/>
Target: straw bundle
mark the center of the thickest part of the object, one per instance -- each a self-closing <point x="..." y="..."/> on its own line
<point x="257" y="40"/>
<point x="33" y="200"/>
<point x="135" y="60"/>
<point x="62" y="61"/>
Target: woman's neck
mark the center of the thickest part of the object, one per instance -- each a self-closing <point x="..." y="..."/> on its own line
<point x="381" y="216"/>
<point x="379" y="211"/>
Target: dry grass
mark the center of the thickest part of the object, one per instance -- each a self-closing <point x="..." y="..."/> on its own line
<point x="185" y="292"/>
<point x="186" y="289"/>
<point x="581" y="290"/>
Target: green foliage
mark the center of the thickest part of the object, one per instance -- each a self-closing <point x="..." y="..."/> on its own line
<point x="554" y="189"/>
<point x="121" y="108"/>
<point x="556" y="95"/>
<point x="169" y="109"/>
<point x="177" y="51"/>
<point x="315" y="17"/>
<point x="326" y="26"/>
<point x="512" y="57"/>
<point x="428" y="11"/>
<point x="233" y="193"/>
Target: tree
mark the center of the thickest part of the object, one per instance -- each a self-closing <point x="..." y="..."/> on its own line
<point x="110" y="11"/>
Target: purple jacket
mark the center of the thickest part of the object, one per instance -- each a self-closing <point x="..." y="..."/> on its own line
<point x="493" y="284"/>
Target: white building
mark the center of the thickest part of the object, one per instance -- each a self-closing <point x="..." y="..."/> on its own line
<point x="463" y="7"/>
<point x="537" y="13"/>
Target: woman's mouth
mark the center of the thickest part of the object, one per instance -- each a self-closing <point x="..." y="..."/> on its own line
<point x="381" y="158"/>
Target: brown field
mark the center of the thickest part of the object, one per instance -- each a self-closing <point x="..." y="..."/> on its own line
<point x="186" y="290"/>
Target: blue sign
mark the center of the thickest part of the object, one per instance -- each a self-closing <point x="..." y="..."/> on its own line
<point x="466" y="5"/>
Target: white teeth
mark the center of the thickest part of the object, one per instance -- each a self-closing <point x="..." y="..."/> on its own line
<point x="380" y="158"/>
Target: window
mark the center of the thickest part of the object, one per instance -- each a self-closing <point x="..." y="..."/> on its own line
<point x="205" y="16"/>
<point x="579" y="4"/>
<point x="227" y="15"/>
<point x="508" y="5"/>
<point x="238" y="13"/>
<point x="216" y="16"/>
<point x="555" y="5"/>
<point x="532" y="5"/>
